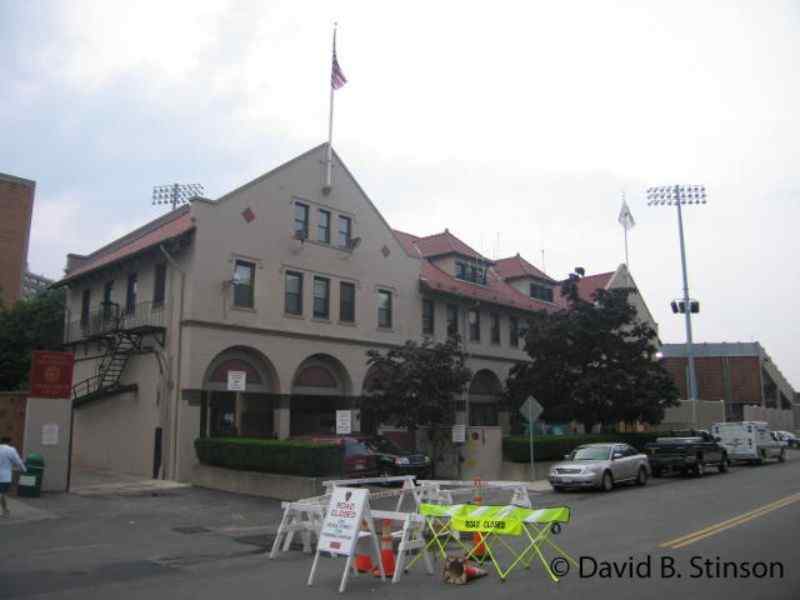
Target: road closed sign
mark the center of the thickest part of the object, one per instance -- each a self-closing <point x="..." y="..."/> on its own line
<point x="343" y="521"/>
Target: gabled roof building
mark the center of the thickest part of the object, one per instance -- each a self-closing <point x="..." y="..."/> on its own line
<point x="289" y="282"/>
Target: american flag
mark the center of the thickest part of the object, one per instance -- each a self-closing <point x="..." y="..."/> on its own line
<point x="337" y="77"/>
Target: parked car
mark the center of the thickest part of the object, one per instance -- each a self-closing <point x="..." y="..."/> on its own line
<point x="686" y="452"/>
<point x="600" y="466"/>
<point x="359" y="460"/>
<point x="749" y="441"/>
<point x="791" y="439"/>
<point x="394" y="460"/>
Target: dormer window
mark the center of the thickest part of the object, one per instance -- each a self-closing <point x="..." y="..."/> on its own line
<point x="541" y="292"/>
<point x="470" y="272"/>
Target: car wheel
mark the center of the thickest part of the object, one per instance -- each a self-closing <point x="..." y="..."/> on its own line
<point x="607" y="484"/>
<point x="724" y="464"/>
<point x="641" y="478"/>
<point x="782" y="456"/>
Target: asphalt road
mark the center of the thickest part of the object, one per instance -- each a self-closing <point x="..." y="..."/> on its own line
<point x="201" y="544"/>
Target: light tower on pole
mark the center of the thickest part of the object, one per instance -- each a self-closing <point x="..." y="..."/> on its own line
<point x="176" y="193"/>
<point x="680" y="195"/>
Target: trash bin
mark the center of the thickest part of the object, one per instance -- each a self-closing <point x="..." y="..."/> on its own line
<point x="30" y="483"/>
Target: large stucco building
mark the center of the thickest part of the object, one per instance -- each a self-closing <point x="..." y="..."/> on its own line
<point x="291" y="282"/>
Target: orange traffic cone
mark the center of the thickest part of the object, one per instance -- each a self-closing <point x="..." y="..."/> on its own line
<point x="363" y="563"/>
<point x="480" y="547"/>
<point x="387" y="551"/>
<point x="474" y="572"/>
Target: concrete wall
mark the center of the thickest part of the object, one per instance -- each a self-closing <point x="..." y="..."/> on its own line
<point x="782" y="420"/>
<point x="49" y="412"/>
<point x="16" y="211"/>
<point x="680" y="417"/>
<point x="279" y="487"/>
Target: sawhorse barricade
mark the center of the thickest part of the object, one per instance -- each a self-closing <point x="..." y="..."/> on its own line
<point x="304" y="517"/>
<point x="408" y="486"/>
<point x="491" y="523"/>
<point x="520" y="496"/>
<point x="412" y="541"/>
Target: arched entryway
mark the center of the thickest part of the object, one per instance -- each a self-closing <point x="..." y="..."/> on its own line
<point x="485" y="394"/>
<point x="320" y="387"/>
<point x="248" y="413"/>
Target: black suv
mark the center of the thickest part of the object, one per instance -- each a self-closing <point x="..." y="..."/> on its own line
<point x="393" y="460"/>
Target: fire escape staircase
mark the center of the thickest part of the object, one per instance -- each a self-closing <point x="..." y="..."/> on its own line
<point x="120" y="336"/>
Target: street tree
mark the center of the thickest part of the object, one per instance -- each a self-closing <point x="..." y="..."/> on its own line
<point x="593" y="362"/>
<point x="416" y="385"/>
<point x="30" y="324"/>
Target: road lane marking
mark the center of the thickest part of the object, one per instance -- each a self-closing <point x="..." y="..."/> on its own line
<point x="695" y="536"/>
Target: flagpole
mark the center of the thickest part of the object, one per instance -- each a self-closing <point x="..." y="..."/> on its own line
<point x="329" y="162"/>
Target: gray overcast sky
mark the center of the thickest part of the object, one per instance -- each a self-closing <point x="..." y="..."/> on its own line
<point x="519" y="119"/>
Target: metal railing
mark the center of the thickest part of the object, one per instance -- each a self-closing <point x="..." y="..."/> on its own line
<point x="110" y="317"/>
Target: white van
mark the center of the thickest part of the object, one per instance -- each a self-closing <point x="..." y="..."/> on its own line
<point x="750" y="441"/>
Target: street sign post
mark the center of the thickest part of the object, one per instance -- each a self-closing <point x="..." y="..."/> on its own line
<point x="531" y="410"/>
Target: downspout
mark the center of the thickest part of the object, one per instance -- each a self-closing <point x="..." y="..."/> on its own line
<point x="176" y="402"/>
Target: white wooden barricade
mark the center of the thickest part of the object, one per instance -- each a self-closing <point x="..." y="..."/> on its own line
<point x="304" y="517"/>
<point x="408" y="485"/>
<point x="412" y="538"/>
<point x="430" y="488"/>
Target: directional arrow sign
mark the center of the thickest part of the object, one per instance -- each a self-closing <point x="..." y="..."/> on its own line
<point x="531" y="409"/>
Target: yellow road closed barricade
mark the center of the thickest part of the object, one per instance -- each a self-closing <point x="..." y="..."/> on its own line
<point x="493" y="523"/>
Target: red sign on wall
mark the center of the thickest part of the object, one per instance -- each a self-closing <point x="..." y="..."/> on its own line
<point x="51" y="374"/>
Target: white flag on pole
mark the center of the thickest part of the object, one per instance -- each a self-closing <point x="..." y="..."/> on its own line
<point x="625" y="217"/>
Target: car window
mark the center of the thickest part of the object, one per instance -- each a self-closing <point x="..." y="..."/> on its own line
<point x="353" y="448"/>
<point x="591" y="453"/>
<point x="631" y="451"/>
<point x="380" y="444"/>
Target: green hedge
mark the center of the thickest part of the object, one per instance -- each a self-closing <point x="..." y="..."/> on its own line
<point x="554" y="447"/>
<point x="271" y="456"/>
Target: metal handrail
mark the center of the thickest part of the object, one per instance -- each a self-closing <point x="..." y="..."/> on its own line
<point x="110" y="317"/>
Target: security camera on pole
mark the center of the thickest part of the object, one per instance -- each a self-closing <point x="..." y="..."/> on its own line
<point x="680" y="195"/>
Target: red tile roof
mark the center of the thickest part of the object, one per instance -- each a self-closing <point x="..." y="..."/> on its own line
<point x="407" y="241"/>
<point x="516" y="266"/>
<point x="496" y="291"/>
<point x="443" y="243"/>
<point x="169" y="226"/>
<point x="587" y="286"/>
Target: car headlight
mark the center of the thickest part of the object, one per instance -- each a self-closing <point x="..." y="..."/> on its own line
<point x="401" y="460"/>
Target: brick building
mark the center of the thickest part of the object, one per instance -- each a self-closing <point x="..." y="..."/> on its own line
<point x="16" y="210"/>
<point x="738" y="373"/>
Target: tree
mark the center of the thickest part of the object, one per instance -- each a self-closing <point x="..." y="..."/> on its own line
<point x="593" y="362"/>
<point x="35" y="323"/>
<point x="416" y="385"/>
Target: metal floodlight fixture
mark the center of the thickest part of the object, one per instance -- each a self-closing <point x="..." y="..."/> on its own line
<point x="674" y="194"/>
<point x="176" y="194"/>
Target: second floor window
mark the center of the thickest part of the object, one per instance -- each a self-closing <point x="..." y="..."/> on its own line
<point x="244" y="279"/>
<point x="345" y="231"/>
<point x="301" y="220"/>
<point x="294" y="293"/>
<point x="495" y="328"/>
<point x="384" y="308"/>
<point x="347" y="302"/>
<point x="471" y="272"/>
<point x="86" y="300"/>
<point x="541" y="292"/>
<point x="324" y="227"/>
<point x="452" y="319"/>
<point x="160" y="284"/>
<point x="427" y="317"/>
<point x="133" y="289"/>
<point x="322" y="292"/>
<point x="474" y="326"/>
<point x="513" y="331"/>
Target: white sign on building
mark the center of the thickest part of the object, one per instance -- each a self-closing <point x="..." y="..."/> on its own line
<point x="50" y="434"/>
<point x="344" y="422"/>
<point x="237" y="381"/>
<point x="459" y="434"/>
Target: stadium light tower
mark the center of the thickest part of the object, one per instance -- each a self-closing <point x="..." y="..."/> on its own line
<point x="176" y="193"/>
<point x="680" y="195"/>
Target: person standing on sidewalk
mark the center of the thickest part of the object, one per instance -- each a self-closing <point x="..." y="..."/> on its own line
<point x="9" y="458"/>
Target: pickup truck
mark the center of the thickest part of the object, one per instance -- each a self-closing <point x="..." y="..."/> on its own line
<point x="687" y="452"/>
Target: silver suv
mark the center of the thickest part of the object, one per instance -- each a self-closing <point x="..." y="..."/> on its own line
<point x="600" y="466"/>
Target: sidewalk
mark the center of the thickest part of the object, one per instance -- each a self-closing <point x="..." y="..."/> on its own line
<point x="98" y="482"/>
<point x="21" y="512"/>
